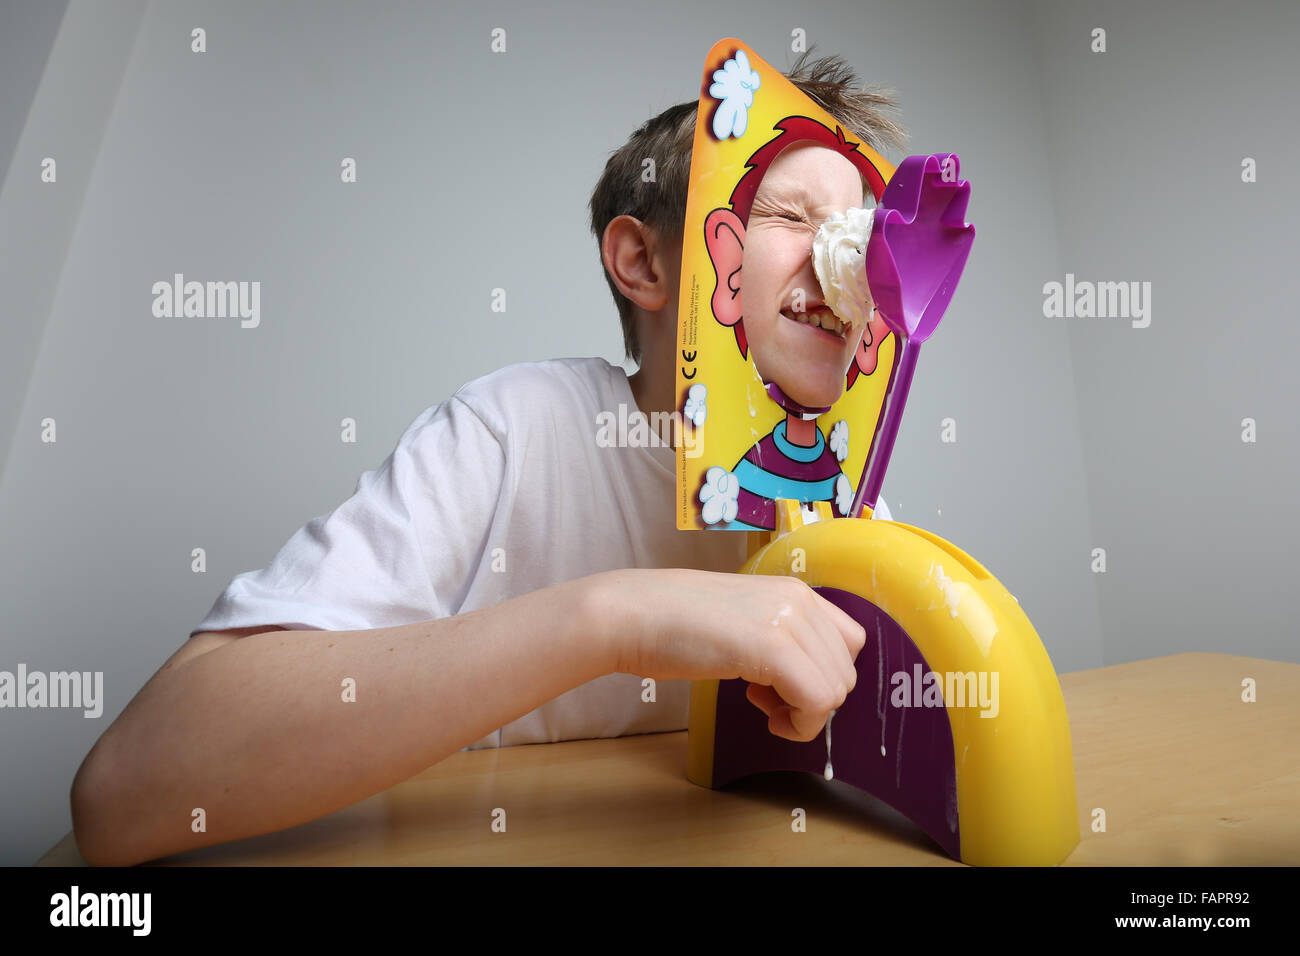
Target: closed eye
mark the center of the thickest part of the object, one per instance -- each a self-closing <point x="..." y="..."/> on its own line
<point x="789" y="212"/>
<point x="802" y="218"/>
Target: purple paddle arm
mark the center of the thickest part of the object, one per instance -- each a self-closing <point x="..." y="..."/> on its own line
<point x="920" y="241"/>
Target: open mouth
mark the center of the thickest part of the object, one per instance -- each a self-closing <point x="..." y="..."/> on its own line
<point x="820" y="319"/>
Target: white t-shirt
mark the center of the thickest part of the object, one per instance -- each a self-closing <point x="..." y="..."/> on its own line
<point x="509" y="462"/>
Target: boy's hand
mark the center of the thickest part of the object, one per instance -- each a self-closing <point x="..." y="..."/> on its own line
<point x="794" y="647"/>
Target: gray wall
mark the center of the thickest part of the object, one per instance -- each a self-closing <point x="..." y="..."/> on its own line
<point x="1146" y="143"/>
<point x="183" y="433"/>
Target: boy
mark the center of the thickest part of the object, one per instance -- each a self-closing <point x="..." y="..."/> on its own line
<point x="500" y="579"/>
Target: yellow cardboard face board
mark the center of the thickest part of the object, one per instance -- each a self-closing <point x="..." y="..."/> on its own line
<point x="771" y="407"/>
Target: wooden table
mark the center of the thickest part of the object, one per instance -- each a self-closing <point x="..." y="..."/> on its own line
<point x="1187" y="773"/>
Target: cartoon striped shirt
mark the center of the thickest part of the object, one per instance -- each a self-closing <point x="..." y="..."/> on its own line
<point x="775" y="468"/>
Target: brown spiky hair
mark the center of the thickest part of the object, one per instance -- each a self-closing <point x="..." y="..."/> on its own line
<point x="669" y="137"/>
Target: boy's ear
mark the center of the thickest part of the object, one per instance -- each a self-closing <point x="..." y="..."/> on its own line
<point x="724" y="236"/>
<point x="629" y="253"/>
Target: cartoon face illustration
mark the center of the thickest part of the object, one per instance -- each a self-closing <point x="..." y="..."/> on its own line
<point x="761" y="250"/>
<point x="767" y="369"/>
<point x="767" y="291"/>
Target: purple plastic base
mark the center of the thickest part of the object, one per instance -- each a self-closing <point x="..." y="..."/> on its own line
<point x="915" y="774"/>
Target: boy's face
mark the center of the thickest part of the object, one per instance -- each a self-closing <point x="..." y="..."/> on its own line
<point x="805" y="184"/>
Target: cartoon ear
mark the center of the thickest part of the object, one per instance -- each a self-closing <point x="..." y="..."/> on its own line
<point x="724" y="237"/>
<point x="869" y="347"/>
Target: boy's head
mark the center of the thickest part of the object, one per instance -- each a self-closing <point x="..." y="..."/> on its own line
<point x="761" y="246"/>
<point x="637" y="219"/>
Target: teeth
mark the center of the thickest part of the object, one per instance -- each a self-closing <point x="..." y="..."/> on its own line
<point x="822" y="317"/>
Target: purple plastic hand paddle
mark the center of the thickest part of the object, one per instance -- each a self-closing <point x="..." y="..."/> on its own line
<point x="920" y="241"/>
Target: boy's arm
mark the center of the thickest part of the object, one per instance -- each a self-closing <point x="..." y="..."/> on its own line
<point x="255" y="731"/>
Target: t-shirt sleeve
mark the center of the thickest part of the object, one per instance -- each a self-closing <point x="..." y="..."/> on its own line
<point x="403" y="548"/>
<point x="882" y="510"/>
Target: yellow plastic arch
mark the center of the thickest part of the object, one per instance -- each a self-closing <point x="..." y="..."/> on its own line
<point x="1016" y="797"/>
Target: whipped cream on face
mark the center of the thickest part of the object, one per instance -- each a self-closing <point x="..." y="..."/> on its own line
<point x="839" y="259"/>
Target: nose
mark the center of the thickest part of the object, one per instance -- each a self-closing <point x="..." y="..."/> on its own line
<point x="808" y="278"/>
